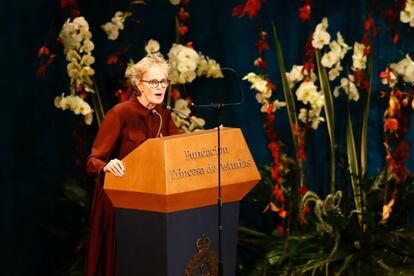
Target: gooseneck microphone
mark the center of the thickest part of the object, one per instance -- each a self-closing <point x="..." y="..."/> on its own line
<point x="184" y="115"/>
<point x="159" y="115"/>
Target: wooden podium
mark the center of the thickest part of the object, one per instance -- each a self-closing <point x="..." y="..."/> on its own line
<point x="167" y="201"/>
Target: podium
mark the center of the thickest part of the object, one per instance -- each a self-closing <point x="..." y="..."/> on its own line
<point x="166" y="203"/>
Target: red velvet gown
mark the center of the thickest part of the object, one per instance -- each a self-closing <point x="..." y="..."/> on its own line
<point x="126" y="126"/>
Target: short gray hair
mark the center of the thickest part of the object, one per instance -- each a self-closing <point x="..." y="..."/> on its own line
<point x="142" y="66"/>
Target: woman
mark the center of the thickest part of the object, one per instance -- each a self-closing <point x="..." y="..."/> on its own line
<point x="126" y="126"/>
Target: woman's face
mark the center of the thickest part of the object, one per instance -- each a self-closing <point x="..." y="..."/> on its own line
<point x="153" y="85"/>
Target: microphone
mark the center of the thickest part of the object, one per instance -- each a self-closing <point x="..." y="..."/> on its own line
<point x="184" y="115"/>
<point x="159" y="115"/>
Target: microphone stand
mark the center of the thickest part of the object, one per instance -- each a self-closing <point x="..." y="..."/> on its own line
<point x="219" y="107"/>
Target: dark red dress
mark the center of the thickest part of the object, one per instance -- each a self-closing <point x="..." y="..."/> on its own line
<point x="126" y="126"/>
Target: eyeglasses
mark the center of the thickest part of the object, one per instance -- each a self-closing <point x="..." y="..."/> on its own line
<point x="154" y="83"/>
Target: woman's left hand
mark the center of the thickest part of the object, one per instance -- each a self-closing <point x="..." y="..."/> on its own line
<point x="116" y="167"/>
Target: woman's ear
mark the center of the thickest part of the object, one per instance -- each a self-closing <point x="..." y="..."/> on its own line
<point x="137" y="87"/>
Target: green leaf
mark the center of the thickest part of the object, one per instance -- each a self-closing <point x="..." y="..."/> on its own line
<point x="56" y="230"/>
<point x="251" y="232"/>
<point x="289" y="98"/>
<point x="346" y="263"/>
<point x="364" y="132"/>
<point x="329" y="114"/>
<point x="274" y="257"/>
<point x="75" y="193"/>
<point x="353" y="167"/>
<point x="97" y="105"/>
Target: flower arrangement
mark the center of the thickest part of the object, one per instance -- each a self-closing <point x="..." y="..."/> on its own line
<point x="186" y="64"/>
<point x="354" y="229"/>
<point x="76" y="39"/>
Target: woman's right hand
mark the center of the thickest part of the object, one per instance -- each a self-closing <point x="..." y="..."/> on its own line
<point x="116" y="167"/>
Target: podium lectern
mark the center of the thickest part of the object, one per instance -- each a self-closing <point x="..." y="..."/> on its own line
<point x="166" y="203"/>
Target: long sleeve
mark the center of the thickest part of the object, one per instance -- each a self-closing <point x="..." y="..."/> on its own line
<point x="104" y="143"/>
<point x="125" y="127"/>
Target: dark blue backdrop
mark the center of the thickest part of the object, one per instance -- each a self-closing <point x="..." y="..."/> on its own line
<point x="38" y="140"/>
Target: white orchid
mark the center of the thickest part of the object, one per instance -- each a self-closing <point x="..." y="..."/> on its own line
<point x="87" y="46"/>
<point x="334" y="72"/>
<point x="180" y="117"/>
<point x="359" y="59"/>
<point x="197" y="121"/>
<point x="87" y="60"/>
<point x="344" y="47"/>
<point x="264" y="92"/>
<point x="119" y="19"/>
<point x="76" y="104"/>
<point x="73" y="33"/>
<point x="181" y="106"/>
<point x="69" y="36"/>
<point x="407" y="15"/>
<point x="329" y="59"/>
<point x="332" y="59"/>
<point x="310" y="116"/>
<point x="78" y="47"/>
<point x="72" y="54"/>
<point x="261" y="99"/>
<point x="209" y="68"/>
<point x="111" y="30"/>
<point x="295" y="75"/>
<point x="81" y="24"/>
<point x="186" y="77"/>
<point x="186" y="64"/>
<point x="152" y="46"/>
<point x="76" y="38"/>
<point x="274" y="106"/>
<point x="259" y="84"/>
<point x="183" y="61"/>
<point x="112" y="27"/>
<point x="349" y="87"/>
<point x="405" y="69"/>
<point x="308" y="93"/>
<point x="73" y="66"/>
<point x="334" y="56"/>
<point x="321" y="37"/>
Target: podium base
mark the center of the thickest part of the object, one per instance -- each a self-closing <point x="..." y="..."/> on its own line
<point x="158" y="244"/>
